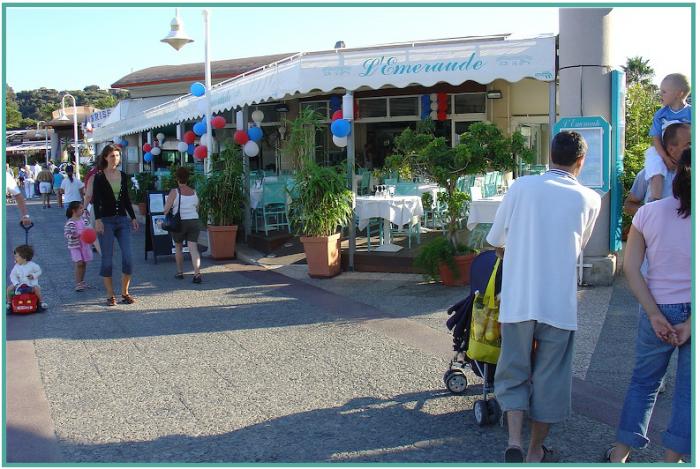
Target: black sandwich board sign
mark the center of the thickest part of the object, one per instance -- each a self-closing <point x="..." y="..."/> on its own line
<point x="158" y="240"/>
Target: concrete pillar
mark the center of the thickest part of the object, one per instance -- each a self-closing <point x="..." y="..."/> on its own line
<point x="585" y="63"/>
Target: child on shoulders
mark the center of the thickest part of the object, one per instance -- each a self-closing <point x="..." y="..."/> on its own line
<point x="674" y="89"/>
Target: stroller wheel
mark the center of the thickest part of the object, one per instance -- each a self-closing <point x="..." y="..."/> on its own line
<point x="481" y="413"/>
<point x="494" y="410"/>
<point x="455" y="381"/>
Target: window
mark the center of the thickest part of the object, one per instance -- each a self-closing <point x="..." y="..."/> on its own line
<point x="470" y="103"/>
<point x="373" y="107"/>
<point x="403" y="106"/>
<point x="321" y="107"/>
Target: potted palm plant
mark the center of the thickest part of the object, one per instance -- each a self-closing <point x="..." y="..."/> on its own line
<point x="320" y="208"/>
<point x="222" y="199"/>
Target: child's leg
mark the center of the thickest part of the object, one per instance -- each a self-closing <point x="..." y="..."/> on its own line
<point x="10" y="292"/>
<point x="656" y="187"/>
<point x="37" y="292"/>
<point x="79" y="271"/>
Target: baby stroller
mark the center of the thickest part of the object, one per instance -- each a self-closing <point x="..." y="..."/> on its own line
<point x="24" y="301"/>
<point x="486" y="410"/>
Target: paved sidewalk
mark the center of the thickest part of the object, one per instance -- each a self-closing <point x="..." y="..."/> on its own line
<point x="258" y="365"/>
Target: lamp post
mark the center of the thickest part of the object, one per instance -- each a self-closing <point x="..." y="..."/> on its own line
<point x="177" y="39"/>
<point x="64" y="117"/>
<point x="46" y="139"/>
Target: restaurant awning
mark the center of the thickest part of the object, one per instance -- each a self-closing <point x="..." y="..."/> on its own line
<point x="123" y="115"/>
<point x="426" y="63"/>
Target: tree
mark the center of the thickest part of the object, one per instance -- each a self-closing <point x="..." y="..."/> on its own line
<point x="639" y="71"/>
<point x="13" y="116"/>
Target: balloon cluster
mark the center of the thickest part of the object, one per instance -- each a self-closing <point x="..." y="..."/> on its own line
<point x="122" y="142"/>
<point x="340" y="128"/>
<point x="248" y="140"/>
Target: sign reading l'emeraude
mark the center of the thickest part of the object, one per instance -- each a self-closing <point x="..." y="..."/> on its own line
<point x="391" y="66"/>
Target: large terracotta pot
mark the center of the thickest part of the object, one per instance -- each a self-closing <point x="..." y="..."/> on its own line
<point x="322" y="255"/>
<point x="222" y="241"/>
<point x="142" y="208"/>
<point x="464" y="264"/>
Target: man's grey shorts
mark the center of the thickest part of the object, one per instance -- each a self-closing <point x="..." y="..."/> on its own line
<point x="539" y="386"/>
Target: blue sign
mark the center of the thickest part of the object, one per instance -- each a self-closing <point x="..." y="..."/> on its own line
<point x="617" y="103"/>
<point x="596" y="132"/>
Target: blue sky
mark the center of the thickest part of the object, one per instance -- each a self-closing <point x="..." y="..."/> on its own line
<point x="70" y="48"/>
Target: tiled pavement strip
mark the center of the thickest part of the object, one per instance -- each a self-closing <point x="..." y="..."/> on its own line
<point x="259" y="365"/>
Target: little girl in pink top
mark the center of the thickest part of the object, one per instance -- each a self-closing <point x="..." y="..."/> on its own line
<point x="80" y="251"/>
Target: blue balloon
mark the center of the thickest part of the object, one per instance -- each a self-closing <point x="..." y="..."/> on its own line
<point x="255" y="134"/>
<point x="340" y="128"/>
<point x="124" y="142"/>
<point x="199" y="128"/>
<point x="147" y="157"/>
<point x="190" y="149"/>
<point x="197" y="89"/>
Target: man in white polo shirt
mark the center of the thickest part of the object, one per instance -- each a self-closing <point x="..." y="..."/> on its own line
<point x="544" y="223"/>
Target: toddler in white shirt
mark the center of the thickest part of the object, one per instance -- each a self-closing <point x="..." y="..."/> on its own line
<point x="25" y="272"/>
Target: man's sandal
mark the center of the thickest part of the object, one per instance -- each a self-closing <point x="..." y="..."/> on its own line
<point x="111" y="301"/>
<point x="549" y="455"/>
<point x="514" y="454"/>
<point x="128" y="299"/>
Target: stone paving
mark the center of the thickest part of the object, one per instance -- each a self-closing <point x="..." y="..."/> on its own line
<point x="258" y="365"/>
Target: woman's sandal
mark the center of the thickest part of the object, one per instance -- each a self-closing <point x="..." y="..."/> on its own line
<point x="111" y="301"/>
<point x="608" y="454"/>
<point x="128" y="299"/>
<point x="197" y="278"/>
<point x="179" y="275"/>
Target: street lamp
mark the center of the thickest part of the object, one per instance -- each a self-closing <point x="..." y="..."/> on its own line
<point x="46" y="139"/>
<point x="177" y="39"/>
<point x="63" y="117"/>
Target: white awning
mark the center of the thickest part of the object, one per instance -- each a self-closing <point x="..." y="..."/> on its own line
<point x="123" y="115"/>
<point x="426" y="64"/>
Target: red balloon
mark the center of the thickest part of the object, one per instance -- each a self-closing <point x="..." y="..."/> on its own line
<point x="88" y="236"/>
<point x="200" y="152"/>
<point x="337" y="115"/>
<point x="442" y="115"/>
<point x="189" y="137"/>
<point x="241" y="137"/>
<point x="218" y="122"/>
<point x="147" y="147"/>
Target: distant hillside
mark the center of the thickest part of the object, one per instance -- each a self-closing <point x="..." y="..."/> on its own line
<point x="25" y="108"/>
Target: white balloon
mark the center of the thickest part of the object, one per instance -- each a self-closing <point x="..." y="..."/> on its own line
<point x="257" y="116"/>
<point x="433" y="96"/>
<point x="340" y="141"/>
<point x="251" y="148"/>
<point x="182" y="147"/>
<point x="433" y="106"/>
<point x="160" y="136"/>
<point x="155" y="151"/>
<point x="433" y="115"/>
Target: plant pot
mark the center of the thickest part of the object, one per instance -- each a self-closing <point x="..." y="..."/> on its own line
<point x="142" y="208"/>
<point x="322" y="255"/>
<point x="222" y="241"/>
<point x="464" y="264"/>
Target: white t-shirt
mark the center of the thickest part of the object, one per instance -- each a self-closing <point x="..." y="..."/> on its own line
<point x="544" y="222"/>
<point x="71" y="190"/>
<point x="11" y="184"/>
<point x="188" y="211"/>
<point x="20" y="274"/>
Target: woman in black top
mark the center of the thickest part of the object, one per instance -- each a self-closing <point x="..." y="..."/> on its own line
<point x="110" y="198"/>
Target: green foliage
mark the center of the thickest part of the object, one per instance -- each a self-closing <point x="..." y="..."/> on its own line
<point x="222" y="194"/>
<point x="146" y="182"/>
<point x="437" y="251"/>
<point x="321" y="202"/>
<point x="300" y="144"/>
<point x="638" y="71"/>
<point x="13" y="116"/>
<point x="38" y="104"/>
<point x="485" y="142"/>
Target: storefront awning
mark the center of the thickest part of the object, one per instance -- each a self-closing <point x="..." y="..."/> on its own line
<point x="426" y="64"/>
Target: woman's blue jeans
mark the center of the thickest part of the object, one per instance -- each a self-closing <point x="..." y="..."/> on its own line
<point x="652" y="357"/>
<point x="118" y="227"/>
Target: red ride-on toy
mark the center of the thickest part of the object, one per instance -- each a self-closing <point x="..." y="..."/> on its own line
<point x="24" y="300"/>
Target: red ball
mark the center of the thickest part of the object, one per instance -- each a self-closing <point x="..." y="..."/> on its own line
<point x="88" y="236"/>
<point x="337" y="115"/>
<point x="241" y="137"/>
<point x="200" y="152"/>
<point x="189" y="137"/>
<point x="218" y="122"/>
<point x="147" y="147"/>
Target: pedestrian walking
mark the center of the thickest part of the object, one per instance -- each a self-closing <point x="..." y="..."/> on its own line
<point x="111" y="203"/>
<point x="45" y="179"/>
<point x="71" y="187"/>
<point x="661" y="232"/>
<point x="36" y="169"/>
<point x="80" y="251"/>
<point x="28" y="183"/>
<point x="538" y="295"/>
<point x="184" y="201"/>
<point x="16" y="192"/>
<point x="57" y="180"/>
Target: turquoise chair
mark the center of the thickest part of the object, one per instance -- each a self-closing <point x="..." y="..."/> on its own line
<point x="391" y="181"/>
<point x="406" y="188"/>
<point x="274" y="206"/>
<point x="364" y="183"/>
<point x="375" y="227"/>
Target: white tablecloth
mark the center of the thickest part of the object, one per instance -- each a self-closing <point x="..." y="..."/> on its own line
<point x="399" y="210"/>
<point x="256" y="195"/>
<point x="432" y="189"/>
<point x="483" y="211"/>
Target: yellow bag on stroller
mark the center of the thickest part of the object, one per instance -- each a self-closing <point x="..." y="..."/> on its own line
<point x="485" y="330"/>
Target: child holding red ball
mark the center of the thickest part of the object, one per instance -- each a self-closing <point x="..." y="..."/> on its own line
<point x="80" y="236"/>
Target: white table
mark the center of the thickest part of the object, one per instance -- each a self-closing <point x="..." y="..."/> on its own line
<point x="432" y="189"/>
<point x="398" y="210"/>
<point x="483" y="211"/>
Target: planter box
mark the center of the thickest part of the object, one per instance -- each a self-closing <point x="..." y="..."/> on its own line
<point x="222" y="241"/>
<point x="322" y="255"/>
<point x="464" y="264"/>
